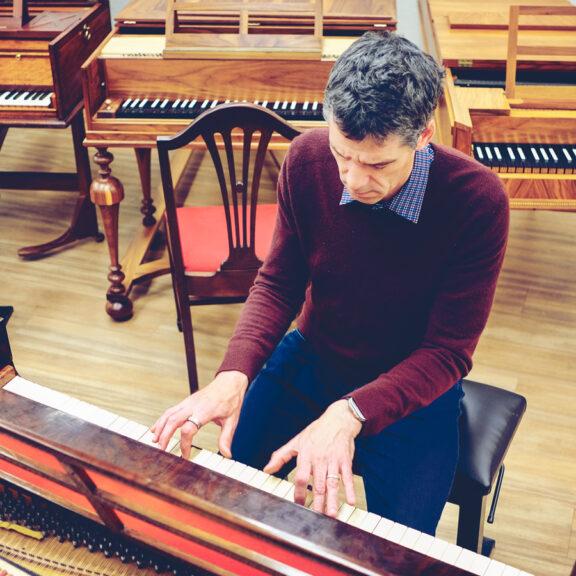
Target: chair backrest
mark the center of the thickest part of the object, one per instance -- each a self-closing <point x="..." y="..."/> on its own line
<point x="242" y="132"/>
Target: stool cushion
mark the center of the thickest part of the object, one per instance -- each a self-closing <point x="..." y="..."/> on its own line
<point x="204" y="237"/>
<point x="488" y="422"/>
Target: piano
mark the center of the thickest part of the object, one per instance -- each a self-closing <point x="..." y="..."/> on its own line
<point x="42" y="46"/>
<point x="96" y="480"/>
<point x="133" y="94"/>
<point x="528" y="138"/>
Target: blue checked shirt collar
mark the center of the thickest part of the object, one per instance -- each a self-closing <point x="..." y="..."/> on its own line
<point x="407" y="202"/>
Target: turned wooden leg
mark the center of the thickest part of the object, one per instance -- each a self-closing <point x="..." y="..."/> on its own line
<point x="107" y="192"/>
<point x="147" y="207"/>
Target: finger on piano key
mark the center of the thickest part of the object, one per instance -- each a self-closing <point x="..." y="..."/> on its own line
<point x="147" y="439"/>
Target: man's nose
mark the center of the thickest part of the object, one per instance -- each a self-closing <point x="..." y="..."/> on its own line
<point x="355" y="177"/>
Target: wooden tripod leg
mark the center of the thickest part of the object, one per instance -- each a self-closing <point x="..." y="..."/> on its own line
<point x="107" y="192"/>
<point x="84" y="223"/>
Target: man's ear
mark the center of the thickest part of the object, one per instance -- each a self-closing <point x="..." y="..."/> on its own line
<point x="426" y="135"/>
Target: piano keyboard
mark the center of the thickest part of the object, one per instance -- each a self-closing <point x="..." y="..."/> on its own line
<point x="12" y="570"/>
<point x="190" y="108"/>
<point x="26" y="98"/>
<point x="535" y="158"/>
<point x="367" y="521"/>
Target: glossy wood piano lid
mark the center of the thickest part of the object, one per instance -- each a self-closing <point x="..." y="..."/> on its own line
<point x="279" y="526"/>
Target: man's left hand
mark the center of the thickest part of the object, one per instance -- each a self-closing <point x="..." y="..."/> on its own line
<point x="325" y="451"/>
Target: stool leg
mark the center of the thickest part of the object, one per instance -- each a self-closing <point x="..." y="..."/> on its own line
<point x="471" y="522"/>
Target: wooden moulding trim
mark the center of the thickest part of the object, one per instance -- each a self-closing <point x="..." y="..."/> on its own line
<point x="43" y="485"/>
<point x="213" y="528"/>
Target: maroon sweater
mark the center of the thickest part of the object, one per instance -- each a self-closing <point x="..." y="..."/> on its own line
<point x="398" y="307"/>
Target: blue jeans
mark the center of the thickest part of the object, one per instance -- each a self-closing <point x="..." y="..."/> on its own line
<point x="407" y="469"/>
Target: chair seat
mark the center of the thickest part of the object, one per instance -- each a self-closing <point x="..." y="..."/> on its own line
<point x="205" y="240"/>
<point x="489" y="420"/>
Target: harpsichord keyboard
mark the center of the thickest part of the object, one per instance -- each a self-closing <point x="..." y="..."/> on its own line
<point x="377" y="525"/>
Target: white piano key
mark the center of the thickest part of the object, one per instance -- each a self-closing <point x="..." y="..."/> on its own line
<point x="276" y="105"/>
<point x="143" y="103"/>
<point x="534" y="154"/>
<point x="305" y="105"/>
<point x="202" y="457"/>
<point x="176" y="103"/>
<point x="265" y="104"/>
<point x="495" y="568"/>
<point x="451" y="554"/>
<point x="147" y="439"/>
<point x="383" y="527"/>
<point x="472" y="562"/>
<point x="543" y="154"/>
<point x="488" y="153"/>
<point x="521" y="154"/>
<point x="270" y="484"/>
<point x="344" y="512"/>
<point x="410" y="538"/>
<point x="396" y="532"/>
<point x="315" y="106"/>
<point x="214" y="104"/>
<point x="133" y="430"/>
<point x="212" y="462"/>
<point x="134" y="102"/>
<point x="155" y="103"/>
<point x="553" y="154"/>
<point x="173" y="443"/>
<point x="567" y="155"/>
<point x="282" y="488"/>
<point x="293" y="105"/>
<point x="164" y="103"/>
<point x="424" y="543"/>
<point x="185" y="103"/>
<point x="511" y="153"/>
<point x="437" y="549"/>
<point x="497" y="153"/>
<point x="285" y="105"/>
<point x="193" y="103"/>
<point x="247" y="474"/>
<point x="356" y="517"/>
<point x="258" y="480"/>
<point x="126" y="103"/>
<point x="510" y="571"/>
<point x="236" y="470"/>
<point x="118" y="424"/>
<point x="224" y="465"/>
<point x="479" y="152"/>
<point x="370" y="522"/>
<point x="204" y="104"/>
<point x="290" y="494"/>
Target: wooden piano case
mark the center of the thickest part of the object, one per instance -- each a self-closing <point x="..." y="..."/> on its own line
<point x="188" y="511"/>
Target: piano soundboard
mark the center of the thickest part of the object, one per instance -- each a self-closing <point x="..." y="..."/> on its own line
<point x="442" y="557"/>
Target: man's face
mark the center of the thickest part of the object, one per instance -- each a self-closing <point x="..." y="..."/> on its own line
<point x="372" y="170"/>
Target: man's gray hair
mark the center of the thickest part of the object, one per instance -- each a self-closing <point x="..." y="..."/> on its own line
<point x="382" y="85"/>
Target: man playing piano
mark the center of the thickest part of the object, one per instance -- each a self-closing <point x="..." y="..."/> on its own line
<point x="387" y="248"/>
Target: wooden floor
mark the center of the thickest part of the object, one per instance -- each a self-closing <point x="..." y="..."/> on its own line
<point x="62" y="338"/>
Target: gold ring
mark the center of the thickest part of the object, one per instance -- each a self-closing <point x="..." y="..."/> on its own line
<point x="194" y="421"/>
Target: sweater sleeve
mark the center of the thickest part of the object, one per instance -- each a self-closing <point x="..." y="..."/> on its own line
<point x="458" y="315"/>
<point x="277" y="293"/>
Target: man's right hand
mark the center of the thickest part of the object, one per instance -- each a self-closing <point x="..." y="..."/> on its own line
<point x="219" y="402"/>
